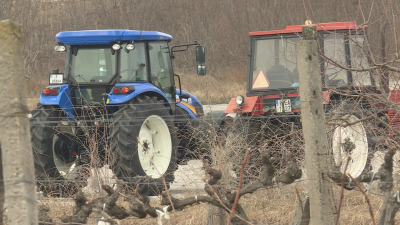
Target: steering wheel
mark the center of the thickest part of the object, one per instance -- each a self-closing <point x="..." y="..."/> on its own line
<point x="130" y="74"/>
<point x="156" y="81"/>
<point x="332" y="74"/>
<point x="332" y="77"/>
<point x="81" y="77"/>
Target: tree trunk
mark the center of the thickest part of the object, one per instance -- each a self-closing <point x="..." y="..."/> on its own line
<point x="1" y="190"/>
<point x="216" y="216"/>
<point x="313" y="117"/>
<point x="17" y="157"/>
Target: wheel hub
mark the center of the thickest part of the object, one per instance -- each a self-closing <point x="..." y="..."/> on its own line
<point x="348" y="146"/>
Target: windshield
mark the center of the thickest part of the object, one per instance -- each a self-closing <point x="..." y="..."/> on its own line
<point x="274" y="64"/>
<point x="133" y="64"/>
<point x="92" y="64"/>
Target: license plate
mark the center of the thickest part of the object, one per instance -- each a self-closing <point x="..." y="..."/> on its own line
<point x="283" y="105"/>
<point x="56" y="78"/>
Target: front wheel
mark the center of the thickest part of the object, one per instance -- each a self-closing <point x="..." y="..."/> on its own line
<point x="154" y="156"/>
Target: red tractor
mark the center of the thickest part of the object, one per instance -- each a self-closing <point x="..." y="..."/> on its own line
<point x="269" y="115"/>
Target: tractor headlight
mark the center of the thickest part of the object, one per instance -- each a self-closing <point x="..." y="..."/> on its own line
<point x="116" y="47"/>
<point x="239" y="99"/>
<point x="130" y="47"/>
<point x="59" y="48"/>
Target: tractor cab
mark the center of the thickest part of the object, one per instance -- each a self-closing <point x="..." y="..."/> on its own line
<point x="98" y="60"/>
<point x="273" y="78"/>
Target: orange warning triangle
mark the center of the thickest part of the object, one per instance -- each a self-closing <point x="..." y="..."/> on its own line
<point x="261" y="81"/>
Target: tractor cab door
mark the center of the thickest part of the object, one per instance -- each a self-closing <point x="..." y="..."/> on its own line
<point x="161" y="74"/>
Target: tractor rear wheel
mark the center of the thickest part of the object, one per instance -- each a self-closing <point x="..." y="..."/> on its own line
<point x="149" y="121"/>
<point x="52" y="167"/>
<point x="353" y="141"/>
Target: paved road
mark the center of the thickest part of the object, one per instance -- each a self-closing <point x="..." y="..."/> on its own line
<point x="188" y="177"/>
<point x="209" y="108"/>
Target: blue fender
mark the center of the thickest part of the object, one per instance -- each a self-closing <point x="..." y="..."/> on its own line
<point x="187" y="108"/>
<point x="139" y="89"/>
<point x="63" y="100"/>
<point x="188" y="104"/>
<point x="191" y="100"/>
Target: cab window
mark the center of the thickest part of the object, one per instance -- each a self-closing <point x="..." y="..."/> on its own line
<point x="334" y="49"/>
<point x="133" y="64"/>
<point x="160" y="68"/>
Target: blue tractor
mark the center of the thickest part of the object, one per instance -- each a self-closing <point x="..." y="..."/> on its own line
<point x="117" y="102"/>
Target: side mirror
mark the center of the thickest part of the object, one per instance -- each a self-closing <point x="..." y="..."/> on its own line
<point x="184" y="96"/>
<point x="201" y="59"/>
<point x="200" y="55"/>
<point x="201" y="70"/>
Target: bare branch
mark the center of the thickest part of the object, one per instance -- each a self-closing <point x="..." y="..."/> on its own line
<point x="342" y="191"/>
<point x="107" y="206"/>
<point x="301" y="206"/>
<point x="106" y="216"/>
<point x="240" y="185"/>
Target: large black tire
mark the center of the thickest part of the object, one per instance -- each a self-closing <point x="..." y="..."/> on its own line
<point x="42" y="123"/>
<point x="124" y="130"/>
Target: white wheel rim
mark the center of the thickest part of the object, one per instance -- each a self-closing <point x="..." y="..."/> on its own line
<point x="67" y="170"/>
<point x="357" y="135"/>
<point x="155" y="136"/>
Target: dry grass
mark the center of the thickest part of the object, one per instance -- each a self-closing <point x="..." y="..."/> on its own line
<point x="32" y="102"/>
<point x="35" y="86"/>
<point x="218" y="88"/>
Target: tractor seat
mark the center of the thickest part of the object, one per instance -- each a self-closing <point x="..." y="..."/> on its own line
<point x="141" y="73"/>
<point x="279" y="76"/>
